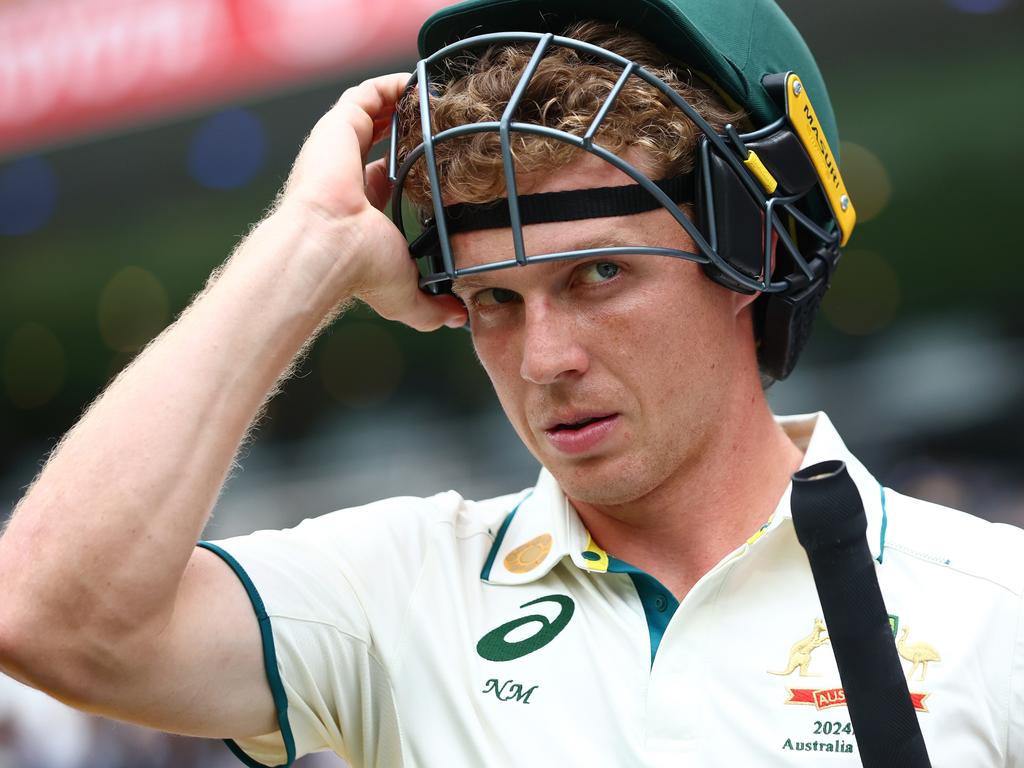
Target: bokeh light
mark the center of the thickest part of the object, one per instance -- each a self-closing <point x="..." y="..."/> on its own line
<point x="978" y="6"/>
<point x="360" y="364"/>
<point x="28" y="195"/>
<point x="228" y="150"/>
<point x="34" y="366"/>
<point x="867" y="180"/>
<point x="865" y="294"/>
<point x="133" y="308"/>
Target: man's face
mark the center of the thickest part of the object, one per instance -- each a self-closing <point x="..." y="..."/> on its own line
<point x="611" y="369"/>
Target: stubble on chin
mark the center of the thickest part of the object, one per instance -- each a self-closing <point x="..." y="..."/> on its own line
<point x="608" y="483"/>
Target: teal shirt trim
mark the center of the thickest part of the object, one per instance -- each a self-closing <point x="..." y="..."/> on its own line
<point x="885" y="522"/>
<point x="269" y="663"/>
<point x="659" y="603"/>
<point x="485" y="574"/>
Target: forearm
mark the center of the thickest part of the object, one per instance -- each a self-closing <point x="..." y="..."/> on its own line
<point x="105" y="601"/>
<point x="99" y="543"/>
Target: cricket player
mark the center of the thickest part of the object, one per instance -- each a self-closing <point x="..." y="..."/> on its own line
<point x="636" y="209"/>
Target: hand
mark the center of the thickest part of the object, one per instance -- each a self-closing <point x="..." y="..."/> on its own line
<point x="329" y="182"/>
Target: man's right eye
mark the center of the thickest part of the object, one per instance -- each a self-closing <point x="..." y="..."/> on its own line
<point x="493" y="296"/>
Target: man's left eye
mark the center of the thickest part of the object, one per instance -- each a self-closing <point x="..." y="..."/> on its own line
<point x="598" y="272"/>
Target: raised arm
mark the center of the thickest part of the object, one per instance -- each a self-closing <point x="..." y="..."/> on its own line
<point x="106" y="602"/>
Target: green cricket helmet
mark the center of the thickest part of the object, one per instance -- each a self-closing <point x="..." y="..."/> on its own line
<point x="777" y="180"/>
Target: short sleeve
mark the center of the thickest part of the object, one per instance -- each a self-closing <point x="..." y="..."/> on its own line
<point x="329" y="596"/>
<point x="1015" y="718"/>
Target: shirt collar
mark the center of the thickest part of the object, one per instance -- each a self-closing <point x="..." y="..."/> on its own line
<point x="815" y="434"/>
<point x="542" y="527"/>
<point x="537" y="533"/>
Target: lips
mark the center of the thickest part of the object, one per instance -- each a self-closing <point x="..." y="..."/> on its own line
<point x="576" y="422"/>
<point x="580" y="433"/>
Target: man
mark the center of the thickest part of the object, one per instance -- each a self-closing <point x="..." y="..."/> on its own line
<point x="647" y="603"/>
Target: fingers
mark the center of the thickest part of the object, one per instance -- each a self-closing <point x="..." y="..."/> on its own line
<point x="431" y="312"/>
<point x="330" y="176"/>
<point x="368" y="107"/>
<point x="425" y="312"/>
<point x="402" y="300"/>
<point x="328" y="173"/>
<point x="378" y="186"/>
<point x="378" y="94"/>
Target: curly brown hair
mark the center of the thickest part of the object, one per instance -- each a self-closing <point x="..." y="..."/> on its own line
<point x="565" y="93"/>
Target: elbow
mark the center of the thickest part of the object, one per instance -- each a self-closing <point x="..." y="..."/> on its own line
<point x="23" y="645"/>
<point x="17" y="651"/>
<point x="43" y="641"/>
<point x="71" y="640"/>
<point x="46" y="657"/>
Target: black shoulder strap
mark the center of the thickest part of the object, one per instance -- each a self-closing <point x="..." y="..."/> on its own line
<point x="830" y="524"/>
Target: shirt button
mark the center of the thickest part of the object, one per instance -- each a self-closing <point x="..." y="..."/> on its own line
<point x="660" y="603"/>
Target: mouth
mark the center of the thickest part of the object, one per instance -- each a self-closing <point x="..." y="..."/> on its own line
<point x="581" y="433"/>
<point x="577" y="424"/>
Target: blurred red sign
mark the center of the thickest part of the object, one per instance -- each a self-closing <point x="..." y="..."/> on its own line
<point x="72" y="67"/>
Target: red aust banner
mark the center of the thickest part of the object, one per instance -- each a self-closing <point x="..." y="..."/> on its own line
<point x="825" y="698"/>
<point x="73" y="67"/>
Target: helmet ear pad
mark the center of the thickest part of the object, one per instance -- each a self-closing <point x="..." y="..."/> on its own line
<point x="782" y="324"/>
<point x="728" y="217"/>
<point x="733" y="223"/>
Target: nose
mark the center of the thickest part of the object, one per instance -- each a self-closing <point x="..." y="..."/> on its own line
<point x="552" y="344"/>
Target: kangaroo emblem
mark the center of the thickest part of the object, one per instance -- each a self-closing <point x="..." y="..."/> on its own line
<point x="800" y="653"/>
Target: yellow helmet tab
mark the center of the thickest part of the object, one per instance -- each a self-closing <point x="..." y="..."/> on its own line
<point x="805" y="123"/>
<point x="761" y="173"/>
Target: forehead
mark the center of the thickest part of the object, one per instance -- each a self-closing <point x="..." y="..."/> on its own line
<point x="586" y="172"/>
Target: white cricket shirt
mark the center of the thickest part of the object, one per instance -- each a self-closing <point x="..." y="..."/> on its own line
<point x="456" y="633"/>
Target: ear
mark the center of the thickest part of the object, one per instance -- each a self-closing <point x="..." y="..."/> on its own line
<point x="743" y="300"/>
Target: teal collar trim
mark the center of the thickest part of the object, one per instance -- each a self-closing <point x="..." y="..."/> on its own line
<point x="885" y="522"/>
<point x="269" y="664"/>
<point x="658" y="602"/>
<point x="485" y="574"/>
<point x="820" y="441"/>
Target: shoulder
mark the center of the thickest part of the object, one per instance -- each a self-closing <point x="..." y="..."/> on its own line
<point x="336" y="567"/>
<point x="976" y="548"/>
<point x="414" y="520"/>
<point x="394" y="535"/>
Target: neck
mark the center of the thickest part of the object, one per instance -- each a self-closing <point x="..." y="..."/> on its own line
<point x="710" y="506"/>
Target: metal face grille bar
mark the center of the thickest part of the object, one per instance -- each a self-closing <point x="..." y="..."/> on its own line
<point x="602" y="113"/>
<point x="435" y="179"/>
<point x="505" y="131"/>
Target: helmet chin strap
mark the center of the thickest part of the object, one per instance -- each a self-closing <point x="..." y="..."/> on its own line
<point x="570" y="205"/>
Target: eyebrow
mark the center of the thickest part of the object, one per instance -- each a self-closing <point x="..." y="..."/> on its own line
<point x="468" y="283"/>
<point x="480" y="280"/>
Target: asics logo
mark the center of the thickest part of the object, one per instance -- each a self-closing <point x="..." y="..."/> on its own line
<point x="494" y="646"/>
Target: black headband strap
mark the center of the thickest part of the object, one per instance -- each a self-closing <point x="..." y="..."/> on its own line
<point x="571" y="205"/>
